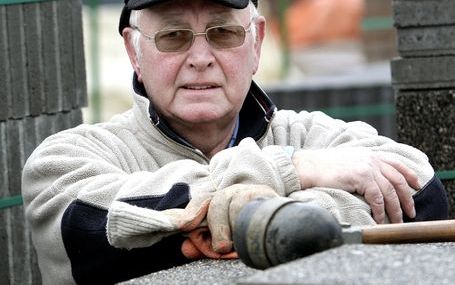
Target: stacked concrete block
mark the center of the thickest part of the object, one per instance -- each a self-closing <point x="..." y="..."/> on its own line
<point x="424" y="81"/>
<point x="42" y="91"/>
<point x="41" y="58"/>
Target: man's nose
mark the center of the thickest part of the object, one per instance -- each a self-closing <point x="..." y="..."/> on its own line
<point x="200" y="53"/>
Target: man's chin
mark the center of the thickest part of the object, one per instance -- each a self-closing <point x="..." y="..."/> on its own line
<point x="200" y="114"/>
<point x="200" y="118"/>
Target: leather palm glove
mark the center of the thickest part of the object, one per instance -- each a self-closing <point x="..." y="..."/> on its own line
<point x="224" y="209"/>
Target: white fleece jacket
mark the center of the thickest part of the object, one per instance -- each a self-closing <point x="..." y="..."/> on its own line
<point x="105" y="165"/>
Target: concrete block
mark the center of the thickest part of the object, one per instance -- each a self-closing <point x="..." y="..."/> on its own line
<point x="15" y="154"/>
<point x="20" y="247"/>
<point x="30" y="136"/>
<point x="3" y="161"/>
<point x="45" y="126"/>
<point x="5" y="229"/>
<point x="80" y="79"/>
<point x="33" y="44"/>
<point x="4" y="215"/>
<point x="4" y="66"/>
<point x="412" y="13"/>
<point x="76" y="117"/>
<point x="35" y="272"/>
<point x="425" y="120"/>
<point x="423" y="73"/>
<point x="426" y="41"/>
<point x="51" y="57"/>
<point x="63" y="121"/>
<point x="17" y="61"/>
<point x="66" y="60"/>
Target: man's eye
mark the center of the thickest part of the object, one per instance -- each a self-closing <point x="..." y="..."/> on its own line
<point x="224" y="30"/>
<point x="171" y="34"/>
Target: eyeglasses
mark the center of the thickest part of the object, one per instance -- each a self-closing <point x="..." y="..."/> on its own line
<point x="219" y="37"/>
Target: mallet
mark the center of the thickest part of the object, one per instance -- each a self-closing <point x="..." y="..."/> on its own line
<point x="269" y="232"/>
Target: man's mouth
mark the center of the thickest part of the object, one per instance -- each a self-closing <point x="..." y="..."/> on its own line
<point x="200" y="86"/>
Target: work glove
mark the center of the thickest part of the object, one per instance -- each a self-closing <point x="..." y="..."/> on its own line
<point x="206" y="220"/>
<point x="224" y="209"/>
<point x="213" y="239"/>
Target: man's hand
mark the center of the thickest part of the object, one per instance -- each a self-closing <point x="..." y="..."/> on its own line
<point x="384" y="183"/>
<point x="224" y="209"/>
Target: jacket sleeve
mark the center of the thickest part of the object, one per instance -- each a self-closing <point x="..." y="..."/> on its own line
<point x="316" y="130"/>
<point x="101" y="200"/>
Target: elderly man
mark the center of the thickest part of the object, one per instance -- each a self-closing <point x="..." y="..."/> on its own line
<point x="116" y="200"/>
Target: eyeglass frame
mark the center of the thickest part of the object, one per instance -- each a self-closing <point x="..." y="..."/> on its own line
<point x="153" y="37"/>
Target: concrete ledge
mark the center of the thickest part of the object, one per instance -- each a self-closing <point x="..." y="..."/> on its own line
<point x="426" y="41"/>
<point x="412" y="13"/>
<point x="367" y="264"/>
<point x="203" y="272"/>
<point x="423" y="73"/>
<point x="418" y="264"/>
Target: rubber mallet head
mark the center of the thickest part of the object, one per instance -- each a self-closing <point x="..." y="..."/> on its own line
<point x="269" y="232"/>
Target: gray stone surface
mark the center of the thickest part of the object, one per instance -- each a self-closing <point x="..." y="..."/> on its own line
<point x="349" y="264"/>
<point x="15" y="154"/>
<point x="426" y="41"/>
<point x="66" y="59"/>
<point x="29" y="136"/>
<point x="76" y="117"/>
<point x="425" y="119"/>
<point x="367" y="264"/>
<point x="17" y="61"/>
<point x="34" y="57"/>
<point x="203" y="272"/>
<point x="51" y="57"/>
<point x="80" y="84"/>
<point x="3" y="161"/>
<point x="410" y="13"/>
<point x="423" y="72"/>
<point x="4" y="66"/>
<point x="42" y="62"/>
<point x="4" y="262"/>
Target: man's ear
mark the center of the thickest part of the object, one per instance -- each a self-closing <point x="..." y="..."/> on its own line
<point x="260" y="34"/>
<point x="132" y="52"/>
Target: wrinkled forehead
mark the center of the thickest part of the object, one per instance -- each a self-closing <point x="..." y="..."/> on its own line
<point x="188" y="10"/>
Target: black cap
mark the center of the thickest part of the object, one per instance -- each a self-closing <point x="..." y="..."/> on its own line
<point x="141" y="4"/>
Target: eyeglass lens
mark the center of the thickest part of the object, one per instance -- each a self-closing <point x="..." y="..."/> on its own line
<point x="219" y="37"/>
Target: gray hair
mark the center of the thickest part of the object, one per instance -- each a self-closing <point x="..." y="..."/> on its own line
<point x="134" y="22"/>
<point x="135" y="35"/>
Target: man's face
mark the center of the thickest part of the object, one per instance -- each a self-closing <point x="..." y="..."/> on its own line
<point x="203" y="84"/>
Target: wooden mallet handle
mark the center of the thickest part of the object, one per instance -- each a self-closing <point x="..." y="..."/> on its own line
<point x="415" y="232"/>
